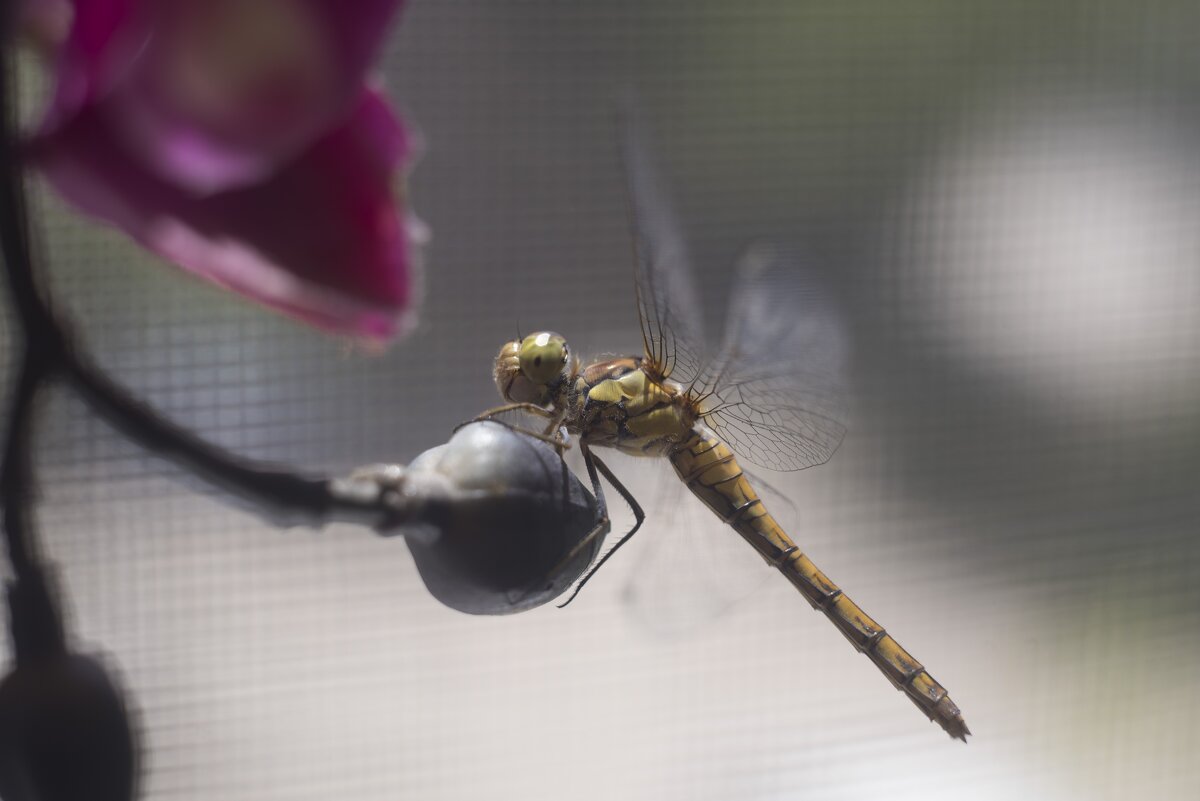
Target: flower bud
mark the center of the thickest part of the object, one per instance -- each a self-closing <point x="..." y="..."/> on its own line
<point x="500" y="516"/>
<point x="64" y="731"/>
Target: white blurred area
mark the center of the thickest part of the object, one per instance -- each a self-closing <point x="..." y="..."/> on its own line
<point x="1060" y="251"/>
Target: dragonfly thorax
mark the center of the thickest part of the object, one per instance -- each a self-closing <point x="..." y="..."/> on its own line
<point x="618" y="404"/>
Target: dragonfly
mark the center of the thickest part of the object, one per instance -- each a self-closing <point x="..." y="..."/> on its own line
<point x="770" y="395"/>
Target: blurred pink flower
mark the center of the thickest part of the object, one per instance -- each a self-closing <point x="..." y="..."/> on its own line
<point x="239" y="139"/>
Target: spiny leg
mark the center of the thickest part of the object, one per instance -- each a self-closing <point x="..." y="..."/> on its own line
<point x="555" y="419"/>
<point x="602" y="520"/>
<point x="603" y="524"/>
<point x="555" y="425"/>
<point x="532" y="408"/>
<point x="593" y="463"/>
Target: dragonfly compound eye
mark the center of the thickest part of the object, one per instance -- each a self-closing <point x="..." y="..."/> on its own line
<point x="543" y="356"/>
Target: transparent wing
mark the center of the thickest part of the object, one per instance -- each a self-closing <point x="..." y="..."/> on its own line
<point x="685" y="567"/>
<point x="690" y="567"/>
<point x="777" y="395"/>
<point x="667" y="302"/>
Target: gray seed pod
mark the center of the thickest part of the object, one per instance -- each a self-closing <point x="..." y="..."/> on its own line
<point x="492" y="518"/>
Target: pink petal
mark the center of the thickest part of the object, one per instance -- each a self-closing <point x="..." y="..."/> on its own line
<point x="215" y="94"/>
<point x="323" y="238"/>
<point x="100" y="43"/>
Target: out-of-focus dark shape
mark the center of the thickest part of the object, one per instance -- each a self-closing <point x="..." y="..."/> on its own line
<point x="499" y="517"/>
<point x="64" y="731"/>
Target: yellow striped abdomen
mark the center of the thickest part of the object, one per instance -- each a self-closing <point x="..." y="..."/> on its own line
<point x="709" y="468"/>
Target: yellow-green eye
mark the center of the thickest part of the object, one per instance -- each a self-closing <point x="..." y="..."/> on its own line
<point x="543" y="356"/>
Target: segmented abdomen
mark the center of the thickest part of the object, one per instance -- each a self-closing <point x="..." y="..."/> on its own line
<point x="711" y="471"/>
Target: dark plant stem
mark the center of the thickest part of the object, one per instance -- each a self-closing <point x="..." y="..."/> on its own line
<point x="281" y="497"/>
<point x="15" y="478"/>
<point x="36" y="359"/>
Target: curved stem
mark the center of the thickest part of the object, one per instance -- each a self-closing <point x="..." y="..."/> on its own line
<point x="282" y="497"/>
<point x="15" y="475"/>
<point x="40" y="340"/>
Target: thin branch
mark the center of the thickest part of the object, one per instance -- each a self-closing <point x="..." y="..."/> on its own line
<point x="16" y="485"/>
<point x="282" y="497"/>
<point x="36" y="359"/>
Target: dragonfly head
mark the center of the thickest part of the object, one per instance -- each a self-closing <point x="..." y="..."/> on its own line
<point x="531" y="370"/>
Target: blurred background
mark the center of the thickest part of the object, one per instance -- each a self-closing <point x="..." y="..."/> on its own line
<point x="1006" y="197"/>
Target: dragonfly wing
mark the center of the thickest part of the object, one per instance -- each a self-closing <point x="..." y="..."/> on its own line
<point x="668" y="304"/>
<point x="777" y="395"/>
<point x="686" y="568"/>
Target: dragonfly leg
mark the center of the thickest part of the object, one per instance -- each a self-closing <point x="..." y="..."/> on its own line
<point x="555" y="435"/>
<point x="532" y="408"/>
<point x="555" y="425"/>
<point x="603" y="524"/>
<point x="602" y="519"/>
<point x="593" y="464"/>
<point x="556" y="439"/>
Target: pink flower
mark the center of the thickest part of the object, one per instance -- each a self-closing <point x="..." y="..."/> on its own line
<point x="239" y="139"/>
